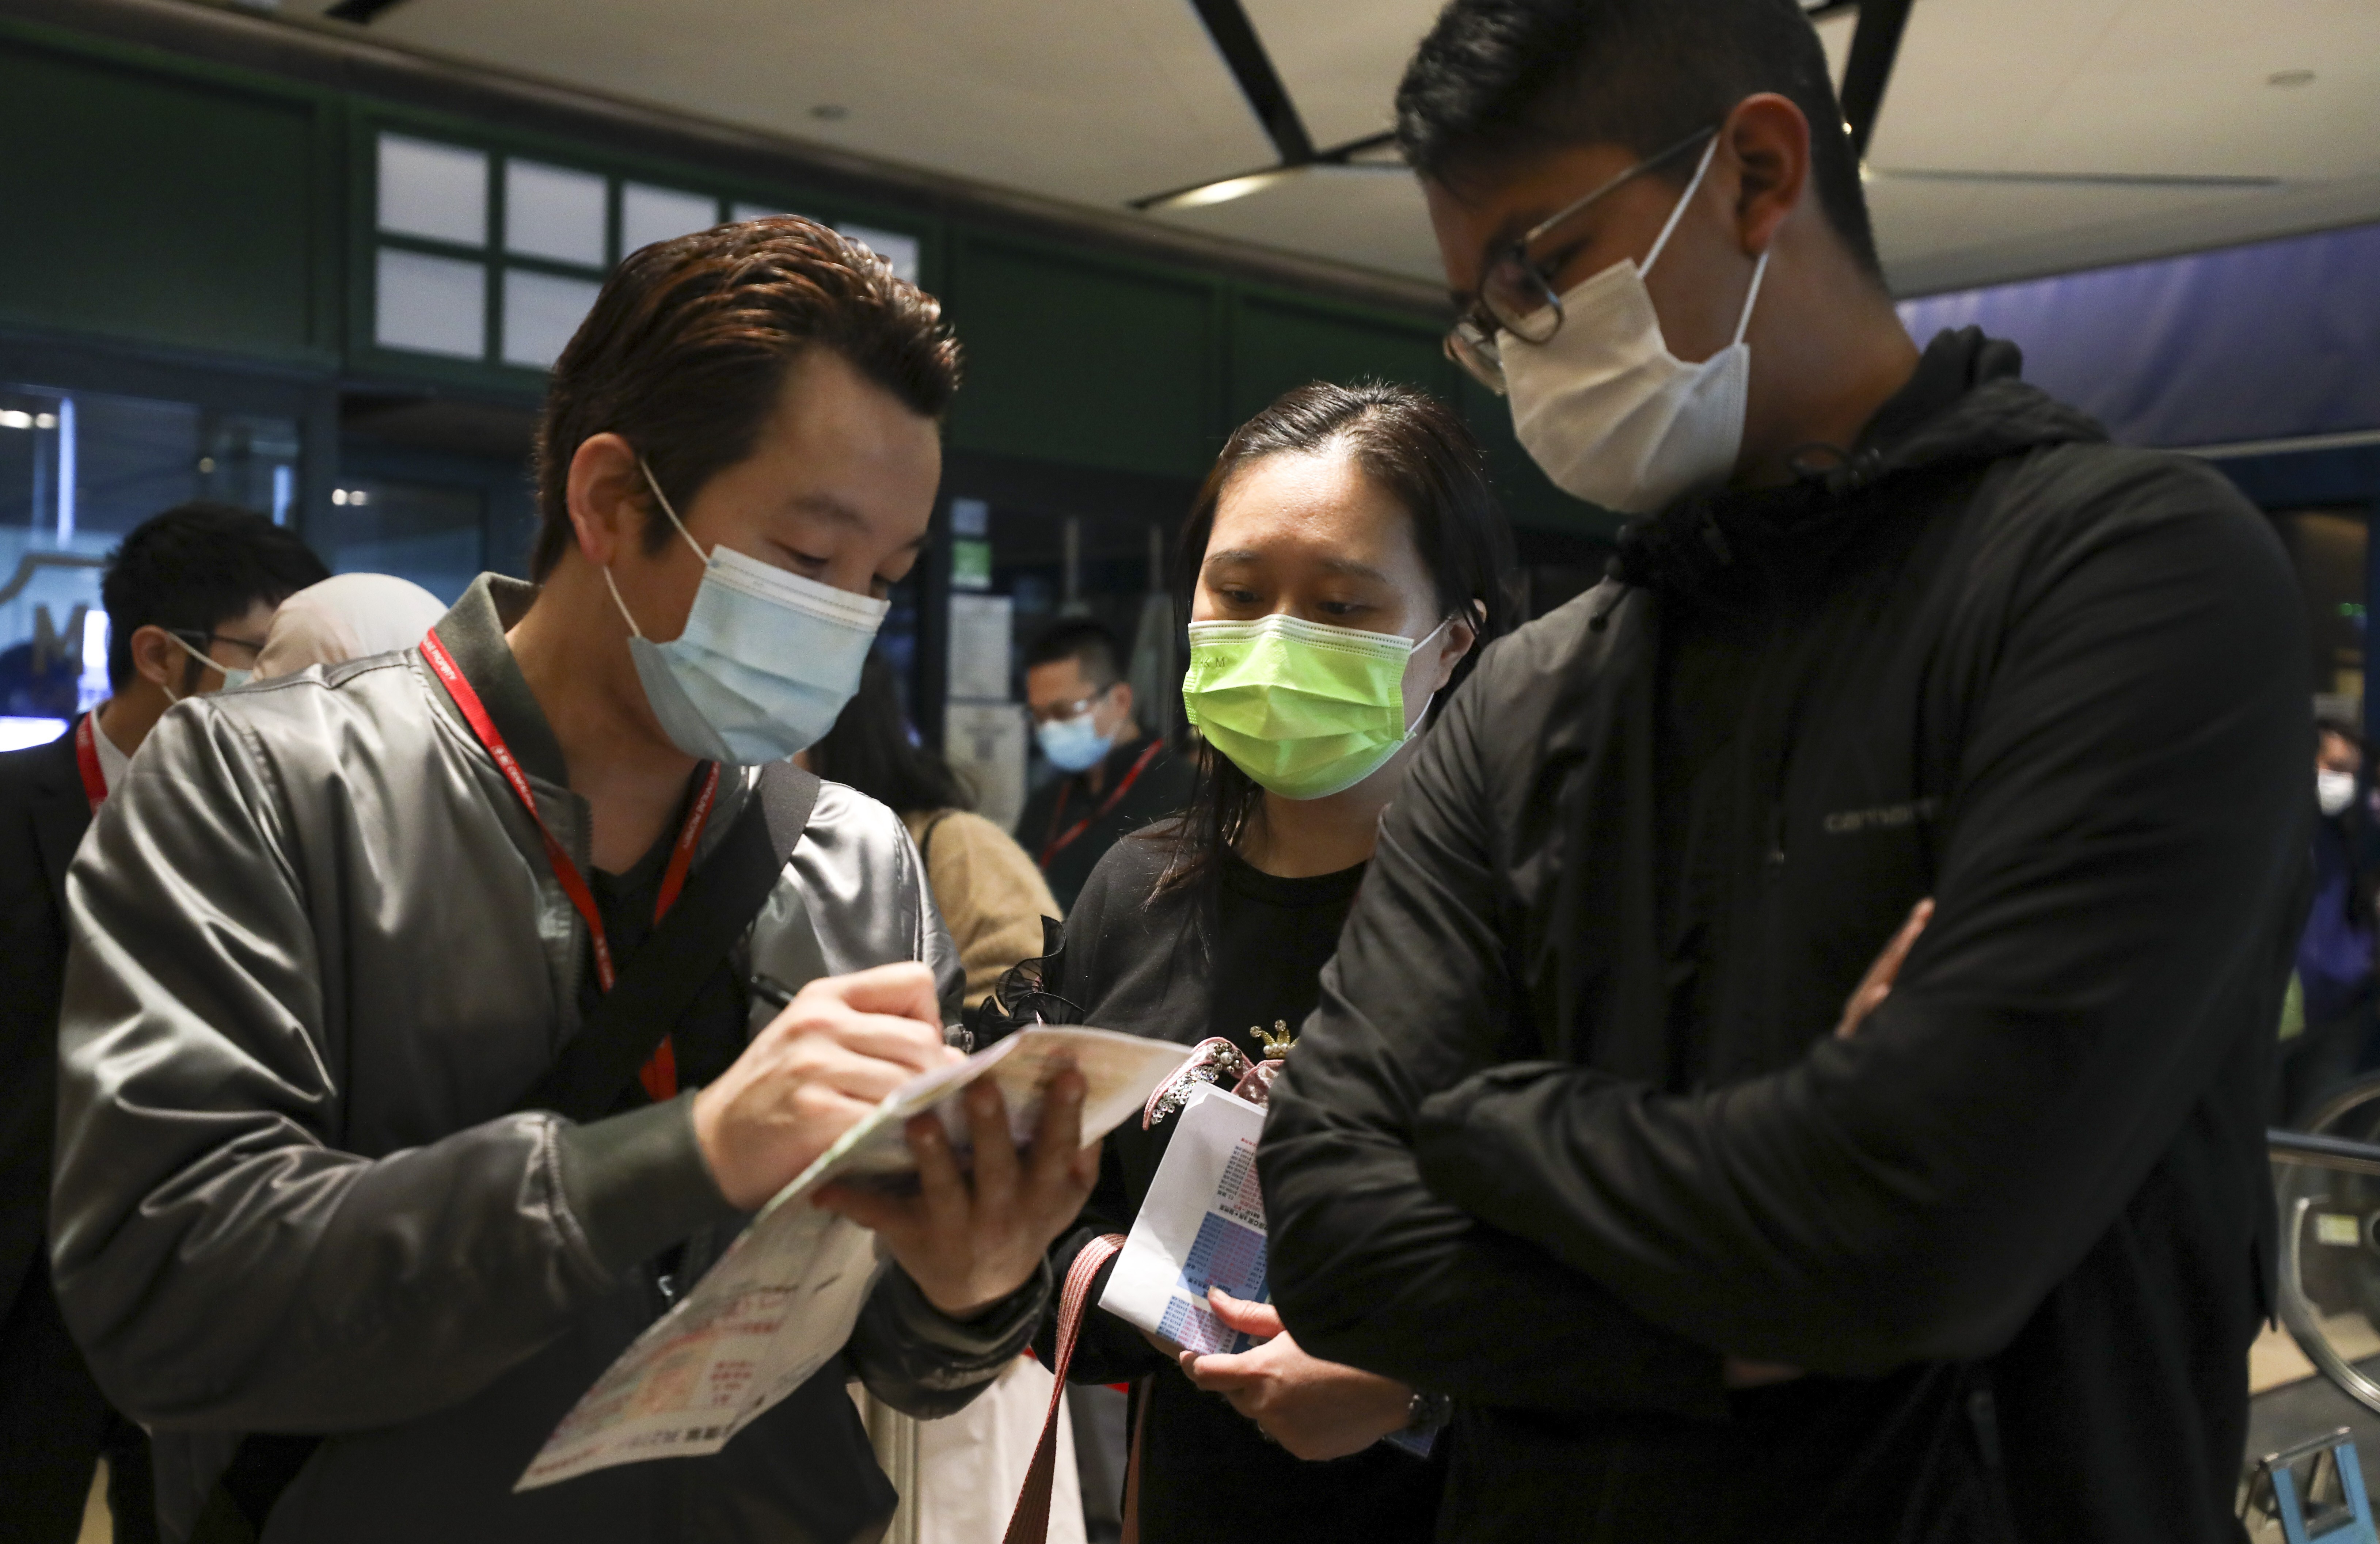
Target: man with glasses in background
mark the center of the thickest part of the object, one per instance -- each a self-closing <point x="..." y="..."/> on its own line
<point x="1598" y="1127"/>
<point x="188" y="596"/>
<point x="1111" y="779"/>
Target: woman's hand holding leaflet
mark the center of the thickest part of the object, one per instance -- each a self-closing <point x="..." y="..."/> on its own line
<point x="1314" y="1408"/>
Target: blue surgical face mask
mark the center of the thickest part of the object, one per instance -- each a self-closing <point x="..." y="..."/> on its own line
<point x="1073" y="743"/>
<point x="766" y="662"/>
<point x="232" y="677"/>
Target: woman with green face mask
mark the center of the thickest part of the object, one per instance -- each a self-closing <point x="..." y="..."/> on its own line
<point x="1339" y="574"/>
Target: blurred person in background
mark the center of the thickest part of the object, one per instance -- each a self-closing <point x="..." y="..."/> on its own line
<point x="188" y="596"/>
<point x="968" y="1465"/>
<point x="322" y="1217"/>
<point x="2327" y="1033"/>
<point x="991" y="897"/>
<point x="347" y="616"/>
<point x="1113" y="779"/>
<point x="1344" y="566"/>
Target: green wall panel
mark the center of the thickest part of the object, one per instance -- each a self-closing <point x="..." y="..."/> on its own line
<point x="143" y="206"/>
<point x="1277" y="344"/>
<point x="1076" y="360"/>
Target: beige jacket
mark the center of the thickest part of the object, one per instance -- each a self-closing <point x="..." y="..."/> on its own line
<point x="989" y="893"/>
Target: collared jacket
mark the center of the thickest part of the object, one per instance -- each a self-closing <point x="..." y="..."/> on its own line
<point x="1571" y="1122"/>
<point x="43" y="812"/>
<point x="318" y="954"/>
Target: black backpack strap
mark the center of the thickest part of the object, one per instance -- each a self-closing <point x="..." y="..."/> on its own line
<point x="926" y="837"/>
<point x="721" y="898"/>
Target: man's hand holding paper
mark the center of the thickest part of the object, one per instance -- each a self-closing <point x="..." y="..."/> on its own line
<point x="968" y="1243"/>
<point x="819" y="1068"/>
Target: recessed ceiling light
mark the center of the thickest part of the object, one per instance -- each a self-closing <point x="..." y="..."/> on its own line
<point x="1226" y="190"/>
<point x="830" y="111"/>
<point x="2289" y="77"/>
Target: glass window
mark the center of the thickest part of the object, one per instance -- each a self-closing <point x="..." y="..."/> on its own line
<point x="649" y="214"/>
<point x="541" y="311"/>
<point x="435" y="191"/>
<point x="78" y="470"/>
<point x="554" y="211"/>
<point x="431" y="305"/>
<point x="428" y="532"/>
<point x="899" y="251"/>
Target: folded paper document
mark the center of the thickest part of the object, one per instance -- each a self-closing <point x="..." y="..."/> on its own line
<point x="1202" y="1225"/>
<point x="785" y="1297"/>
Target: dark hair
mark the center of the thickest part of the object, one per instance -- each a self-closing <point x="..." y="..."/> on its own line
<point x="686" y="346"/>
<point x="1496" y="80"/>
<point x="194" y="567"/>
<point x="1084" y="639"/>
<point x="1416" y="449"/>
<point x="871" y="749"/>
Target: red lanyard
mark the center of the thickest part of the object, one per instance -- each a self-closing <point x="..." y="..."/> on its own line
<point x="659" y="1074"/>
<point x="94" y="781"/>
<point x="1057" y="844"/>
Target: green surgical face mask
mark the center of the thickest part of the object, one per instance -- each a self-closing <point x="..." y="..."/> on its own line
<point x="1306" y="710"/>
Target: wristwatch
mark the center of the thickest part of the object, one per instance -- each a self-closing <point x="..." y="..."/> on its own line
<point x="1427" y="1413"/>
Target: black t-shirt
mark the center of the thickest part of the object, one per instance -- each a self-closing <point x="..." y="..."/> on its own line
<point x="1243" y="953"/>
<point x="1274" y="936"/>
<point x="1067" y="856"/>
<point x="709" y="1035"/>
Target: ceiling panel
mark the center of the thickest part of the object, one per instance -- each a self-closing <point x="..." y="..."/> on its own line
<point x="1971" y="77"/>
<point x="1369" y="219"/>
<point x="1098" y="102"/>
<point x="1918" y="220"/>
<point x="2140" y="87"/>
<point x="1834" y="32"/>
<point x="1952" y="236"/>
<point x="1342" y="64"/>
<point x="2281" y="88"/>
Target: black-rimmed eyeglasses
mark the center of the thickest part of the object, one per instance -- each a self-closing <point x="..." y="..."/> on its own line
<point x="1516" y="294"/>
<point x="205" y="639"/>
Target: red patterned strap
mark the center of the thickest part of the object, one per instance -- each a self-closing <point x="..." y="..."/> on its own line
<point x="659" y="1074"/>
<point x="1057" y="842"/>
<point x="94" y="780"/>
<point x="1029" y="1524"/>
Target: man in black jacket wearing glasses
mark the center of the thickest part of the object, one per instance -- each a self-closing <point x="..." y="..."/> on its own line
<point x="1583" y="1133"/>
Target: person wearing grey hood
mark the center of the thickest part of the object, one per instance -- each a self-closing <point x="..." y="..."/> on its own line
<point x="351" y="1206"/>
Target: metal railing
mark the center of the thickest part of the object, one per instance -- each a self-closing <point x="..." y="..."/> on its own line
<point x="2299" y="1316"/>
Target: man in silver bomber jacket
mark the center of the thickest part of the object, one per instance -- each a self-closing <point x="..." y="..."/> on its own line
<point x="322" y="944"/>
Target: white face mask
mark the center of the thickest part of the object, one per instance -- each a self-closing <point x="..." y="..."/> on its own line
<point x="766" y="662"/>
<point x="1611" y="415"/>
<point x="2334" y="791"/>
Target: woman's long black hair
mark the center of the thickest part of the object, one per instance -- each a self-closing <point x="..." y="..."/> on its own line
<point x="871" y="749"/>
<point x="1412" y="446"/>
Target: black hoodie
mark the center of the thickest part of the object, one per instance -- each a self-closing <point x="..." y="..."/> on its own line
<point x="1570" y="1122"/>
